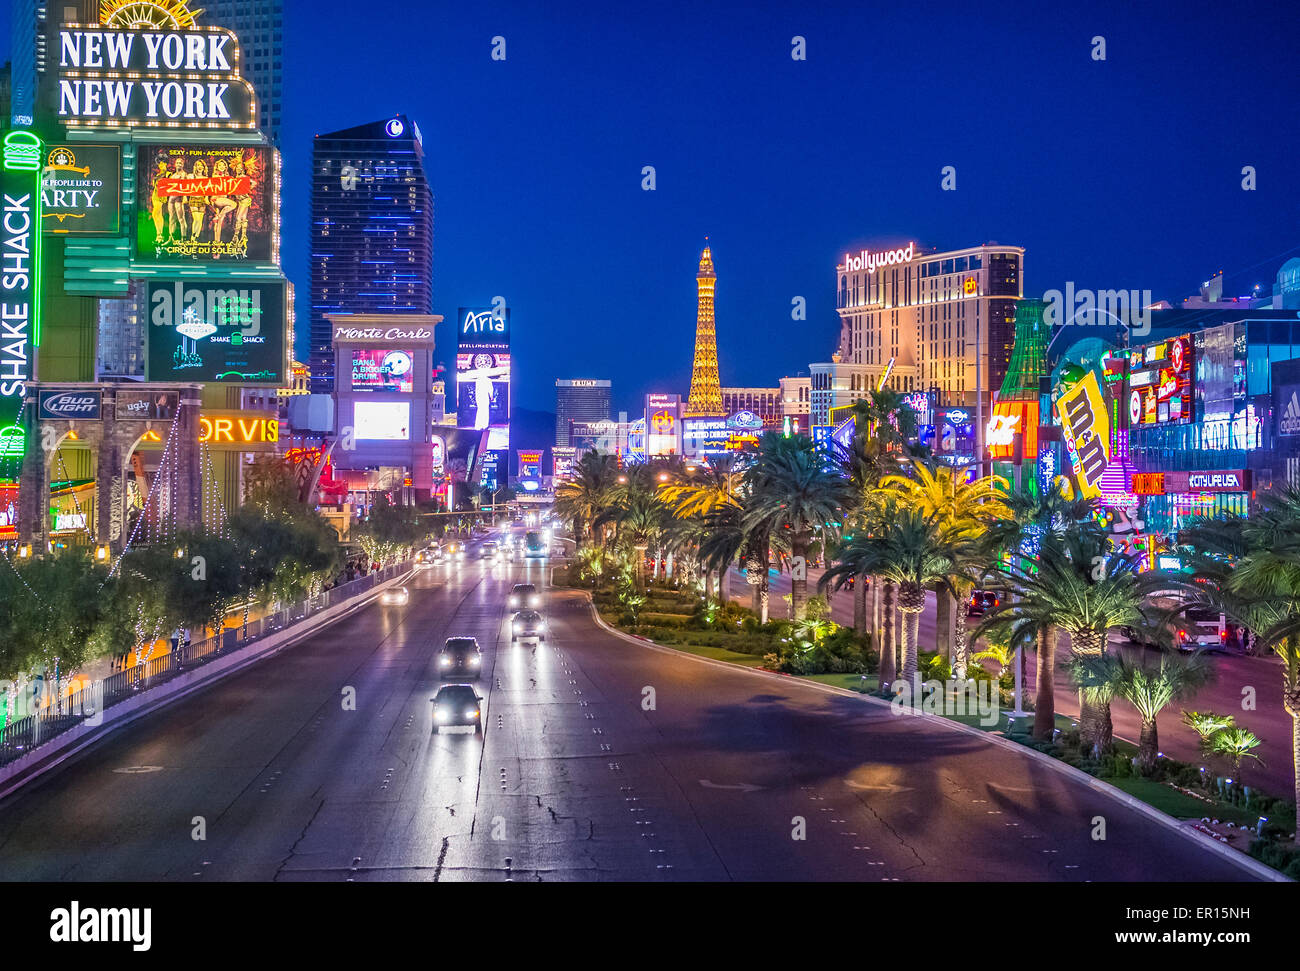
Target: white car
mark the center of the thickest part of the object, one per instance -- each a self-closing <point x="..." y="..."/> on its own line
<point x="396" y="595"/>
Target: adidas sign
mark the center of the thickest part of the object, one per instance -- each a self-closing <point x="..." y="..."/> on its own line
<point x="1290" y="423"/>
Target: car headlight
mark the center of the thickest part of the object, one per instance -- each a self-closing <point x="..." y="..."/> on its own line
<point x="442" y="715"/>
<point x="444" y="661"/>
<point x="473" y="660"/>
<point x="472" y="713"/>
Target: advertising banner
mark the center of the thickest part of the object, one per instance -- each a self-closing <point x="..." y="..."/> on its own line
<point x="1012" y="432"/>
<point x="1085" y="426"/>
<point x="1160" y="383"/>
<point x="483" y="389"/>
<point x="530" y="463"/>
<point x="201" y="203"/>
<point x="377" y="369"/>
<point x="81" y="190"/>
<point x="147" y="404"/>
<point x="84" y="405"/>
<point x="232" y="333"/>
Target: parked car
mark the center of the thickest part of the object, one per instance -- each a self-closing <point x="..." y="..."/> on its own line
<point x="981" y="601"/>
<point x="524" y="595"/>
<point x="460" y="657"/>
<point x="399" y="596"/>
<point x="457" y="705"/>
<point x="528" y="625"/>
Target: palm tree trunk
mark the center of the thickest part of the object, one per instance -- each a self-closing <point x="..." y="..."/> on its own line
<point x="799" y="586"/>
<point x="960" y="642"/>
<point x="764" y="595"/>
<point x="1095" y="728"/>
<point x="860" y="606"/>
<point x="1045" y="685"/>
<point x="1148" y="745"/>
<point x="911" y="628"/>
<point x="708" y="584"/>
<point x="723" y="583"/>
<point x="886" y="638"/>
<point x="1293" y="708"/>
<point x="640" y="568"/>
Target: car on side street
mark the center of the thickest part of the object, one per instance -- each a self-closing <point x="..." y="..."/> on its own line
<point x="981" y="602"/>
<point x="527" y="625"/>
<point x="457" y="705"/>
<point x="460" y="657"/>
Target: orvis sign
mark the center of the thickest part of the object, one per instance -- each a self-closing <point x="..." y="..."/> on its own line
<point x="80" y="404"/>
<point x="169" y="79"/>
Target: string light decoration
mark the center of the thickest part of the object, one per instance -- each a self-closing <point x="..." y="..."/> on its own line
<point x="152" y="500"/>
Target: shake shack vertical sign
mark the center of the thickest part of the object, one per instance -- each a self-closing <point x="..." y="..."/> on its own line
<point x="170" y="79"/>
<point x="81" y="190"/>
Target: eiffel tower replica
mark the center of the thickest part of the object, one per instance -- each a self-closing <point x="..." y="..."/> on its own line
<point x="706" y="388"/>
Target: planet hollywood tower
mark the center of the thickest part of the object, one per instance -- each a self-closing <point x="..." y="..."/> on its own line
<point x="706" y="389"/>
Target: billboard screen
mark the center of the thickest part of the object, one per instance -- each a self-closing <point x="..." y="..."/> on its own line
<point x="382" y="421"/>
<point x="379" y="369"/>
<point x="204" y="203"/>
<point x="147" y="404"/>
<point x="232" y="332"/>
<point x="1160" y="383"/>
<point x="1085" y="426"/>
<point x="81" y="190"/>
<point x="483" y="389"/>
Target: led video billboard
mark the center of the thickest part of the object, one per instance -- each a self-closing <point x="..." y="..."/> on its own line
<point x="205" y="203"/>
<point x="382" y="369"/>
<point x="483" y="389"/>
<point x="227" y="332"/>
<point x="382" y="421"/>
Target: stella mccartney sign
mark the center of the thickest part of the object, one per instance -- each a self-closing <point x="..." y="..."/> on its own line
<point x="171" y="79"/>
<point x="382" y="334"/>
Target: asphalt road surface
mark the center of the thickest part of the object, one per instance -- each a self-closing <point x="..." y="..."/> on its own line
<point x="577" y="776"/>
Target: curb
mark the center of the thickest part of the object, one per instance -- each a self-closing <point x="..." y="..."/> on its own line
<point x="1247" y="863"/>
<point x="42" y="760"/>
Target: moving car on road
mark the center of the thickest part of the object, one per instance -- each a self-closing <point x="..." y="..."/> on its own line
<point x="534" y="544"/>
<point x="428" y="556"/>
<point x="489" y="550"/>
<point x="981" y="601"/>
<point x="457" y="704"/>
<point x="528" y="625"/>
<point x="460" y="657"/>
<point x="524" y="595"/>
<point x="396" y="595"/>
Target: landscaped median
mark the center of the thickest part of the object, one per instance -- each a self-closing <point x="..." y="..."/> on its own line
<point x="1179" y="795"/>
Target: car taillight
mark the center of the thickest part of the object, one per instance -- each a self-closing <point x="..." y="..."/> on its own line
<point x="1223" y="635"/>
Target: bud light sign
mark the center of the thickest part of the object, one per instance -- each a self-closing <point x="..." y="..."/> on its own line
<point x="79" y="404"/>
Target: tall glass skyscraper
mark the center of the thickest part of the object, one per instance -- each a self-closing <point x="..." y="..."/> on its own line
<point x="371" y="231"/>
<point x="259" y="26"/>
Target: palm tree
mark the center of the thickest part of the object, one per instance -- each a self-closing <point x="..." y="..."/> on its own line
<point x="583" y="496"/>
<point x="795" y="488"/>
<point x="1076" y="588"/>
<point x="708" y="496"/>
<point x="638" y="515"/>
<point x="1148" y="682"/>
<point x="916" y="555"/>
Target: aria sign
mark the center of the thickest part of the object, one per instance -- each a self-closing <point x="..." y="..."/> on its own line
<point x="169" y="79"/>
<point x="873" y="261"/>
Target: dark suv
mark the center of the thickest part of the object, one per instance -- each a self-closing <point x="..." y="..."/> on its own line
<point x="457" y="704"/>
<point x="460" y="657"/>
<point x="981" y="601"/>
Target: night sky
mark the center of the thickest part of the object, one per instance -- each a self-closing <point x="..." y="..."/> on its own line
<point x="1123" y="173"/>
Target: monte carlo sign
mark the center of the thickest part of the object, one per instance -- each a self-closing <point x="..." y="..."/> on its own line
<point x="143" y="78"/>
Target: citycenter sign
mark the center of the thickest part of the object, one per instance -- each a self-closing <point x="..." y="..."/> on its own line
<point x="171" y="79"/>
<point x="872" y="261"/>
<point x="382" y="334"/>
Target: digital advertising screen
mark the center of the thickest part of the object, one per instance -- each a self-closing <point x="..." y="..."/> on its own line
<point x="382" y="421"/>
<point x="229" y="332"/>
<point x="1160" y="383"/>
<point x="81" y="190"/>
<point x="381" y="369"/>
<point x="483" y="389"/>
<point x="206" y="203"/>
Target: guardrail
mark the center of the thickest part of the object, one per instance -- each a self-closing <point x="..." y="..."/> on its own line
<point x="24" y="734"/>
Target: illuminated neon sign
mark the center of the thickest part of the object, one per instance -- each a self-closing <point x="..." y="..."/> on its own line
<point x="20" y="266"/>
<point x="872" y="261"/>
<point x="1086" y="427"/>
